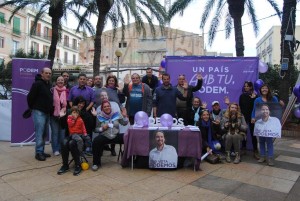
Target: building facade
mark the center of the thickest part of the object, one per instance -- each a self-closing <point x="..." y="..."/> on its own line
<point x="138" y="50"/>
<point x="16" y="35"/>
<point x="268" y="48"/>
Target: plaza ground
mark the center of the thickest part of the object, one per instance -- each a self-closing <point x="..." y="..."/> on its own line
<point x="24" y="178"/>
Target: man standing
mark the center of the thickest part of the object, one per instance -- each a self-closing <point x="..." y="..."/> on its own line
<point x="97" y="90"/>
<point x="82" y="90"/>
<point x="150" y="79"/>
<point x="139" y="97"/>
<point x="164" y="98"/>
<point x="40" y="100"/>
<point x="182" y="107"/>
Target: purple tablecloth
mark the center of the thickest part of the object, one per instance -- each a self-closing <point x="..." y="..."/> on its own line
<point x="136" y="142"/>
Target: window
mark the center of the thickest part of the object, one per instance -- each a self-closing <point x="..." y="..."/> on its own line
<point x="2" y="18"/>
<point x="15" y="47"/>
<point x="37" y="31"/>
<point x="45" y="50"/>
<point x="16" y="26"/>
<point x="74" y="59"/>
<point x="74" y="45"/>
<point x="1" y="42"/>
<point x="122" y="44"/>
<point x="66" y="57"/>
<point x="58" y="53"/>
<point x="66" y="41"/>
<point x="35" y="46"/>
<point x="47" y="33"/>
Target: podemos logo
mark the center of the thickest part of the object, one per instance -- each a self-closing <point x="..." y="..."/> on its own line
<point x="29" y="70"/>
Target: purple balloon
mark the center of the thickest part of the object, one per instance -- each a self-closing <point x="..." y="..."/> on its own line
<point x="262" y="67"/>
<point x="297" y="112"/>
<point x="141" y="118"/>
<point x="257" y="85"/>
<point x="163" y="63"/>
<point x="166" y="120"/>
<point x="296" y="91"/>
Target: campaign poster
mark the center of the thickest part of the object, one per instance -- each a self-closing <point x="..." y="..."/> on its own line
<point x="23" y="75"/>
<point x="222" y="76"/>
<point x="163" y="146"/>
<point x="267" y="116"/>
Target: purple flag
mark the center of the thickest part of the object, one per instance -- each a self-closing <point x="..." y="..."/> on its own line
<point x="23" y="74"/>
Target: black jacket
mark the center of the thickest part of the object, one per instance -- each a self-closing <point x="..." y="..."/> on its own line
<point x="40" y="96"/>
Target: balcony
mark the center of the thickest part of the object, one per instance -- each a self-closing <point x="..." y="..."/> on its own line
<point x="269" y="48"/>
<point x="264" y="52"/>
<point x="16" y="31"/>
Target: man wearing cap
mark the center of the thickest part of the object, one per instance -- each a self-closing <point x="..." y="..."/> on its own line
<point x="182" y="107"/>
<point x="216" y="113"/>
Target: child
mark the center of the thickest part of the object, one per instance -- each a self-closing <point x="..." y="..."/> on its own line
<point x="77" y="129"/>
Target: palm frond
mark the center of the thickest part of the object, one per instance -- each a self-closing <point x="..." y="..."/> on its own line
<point x="251" y="13"/>
<point x="276" y="8"/>
<point x="228" y="25"/>
<point x="207" y="10"/>
<point x="178" y="7"/>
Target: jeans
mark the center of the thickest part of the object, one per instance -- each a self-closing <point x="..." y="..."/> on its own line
<point x="262" y="145"/>
<point x="57" y="134"/>
<point x="41" y="128"/>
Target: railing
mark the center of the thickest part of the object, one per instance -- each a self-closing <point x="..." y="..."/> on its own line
<point x="16" y="31"/>
<point x="269" y="48"/>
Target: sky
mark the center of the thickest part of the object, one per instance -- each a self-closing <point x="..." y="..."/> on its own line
<point x="190" y="22"/>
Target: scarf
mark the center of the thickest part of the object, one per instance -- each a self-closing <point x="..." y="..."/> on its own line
<point x="196" y="116"/>
<point x="59" y="99"/>
<point x="103" y="117"/>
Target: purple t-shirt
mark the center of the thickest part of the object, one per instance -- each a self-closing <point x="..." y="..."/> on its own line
<point x="86" y="92"/>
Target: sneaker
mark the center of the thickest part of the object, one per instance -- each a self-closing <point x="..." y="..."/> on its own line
<point x="95" y="167"/>
<point x="77" y="170"/>
<point x="56" y="153"/>
<point x="256" y="155"/>
<point x="232" y="154"/>
<point x="40" y="157"/>
<point x="261" y="159"/>
<point x="47" y="155"/>
<point x="270" y="162"/>
<point x="63" y="170"/>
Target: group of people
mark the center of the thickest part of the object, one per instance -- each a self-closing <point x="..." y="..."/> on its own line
<point x="76" y="113"/>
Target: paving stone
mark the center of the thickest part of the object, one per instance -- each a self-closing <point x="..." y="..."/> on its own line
<point x="217" y="184"/>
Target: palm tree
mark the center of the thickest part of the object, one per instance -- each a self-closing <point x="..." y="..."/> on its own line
<point x="233" y="17"/>
<point x="287" y="47"/>
<point x="57" y="9"/>
<point x="114" y="10"/>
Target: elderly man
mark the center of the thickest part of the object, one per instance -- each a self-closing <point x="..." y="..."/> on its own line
<point x="139" y="97"/>
<point x="182" y="107"/>
<point x="40" y="100"/>
<point x="82" y="90"/>
<point x="164" y="98"/>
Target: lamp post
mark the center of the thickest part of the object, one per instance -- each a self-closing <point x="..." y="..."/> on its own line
<point x="118" y="53"/>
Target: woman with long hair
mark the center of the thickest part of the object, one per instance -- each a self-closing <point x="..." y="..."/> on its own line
<point x="234" y="125"/>
<point x="246" y="102"/>
<point x="266" y="97"/>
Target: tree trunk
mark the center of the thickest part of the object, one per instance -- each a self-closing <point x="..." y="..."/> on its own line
<point x="103" y="8"/>
<point x="236" y="9"/>
<point x="287" y="47"/>
<point x="54" y="39"/>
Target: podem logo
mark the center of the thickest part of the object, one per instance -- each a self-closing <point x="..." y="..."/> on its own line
<point x="29" y="70"/>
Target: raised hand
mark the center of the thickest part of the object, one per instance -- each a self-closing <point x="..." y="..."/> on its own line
<point x="93" y="111"/>
<point x="185" y="85"/>
<point x="199" y="76"/>
<point x="226" y="100"/>
<point x="62" y="112"/>
<point x="204" y="105"/>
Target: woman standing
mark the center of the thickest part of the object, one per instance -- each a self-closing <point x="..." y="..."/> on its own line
<point x="60" y="105"/>
<point x="246" y="102"/>
<point x="108" y="127"/>
<point x="266" y="96"/>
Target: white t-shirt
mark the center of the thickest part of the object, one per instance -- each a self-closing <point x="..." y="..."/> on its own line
<point x="166" y="158"/>
<point x="269" y="128"/>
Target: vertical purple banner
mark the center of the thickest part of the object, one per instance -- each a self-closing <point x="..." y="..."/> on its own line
<point x="23" y="75"/>
<point x="222" y="76"/>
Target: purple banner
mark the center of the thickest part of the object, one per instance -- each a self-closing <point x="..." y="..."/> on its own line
<point x="222" y="76"/>
<point x="23" y="74"/>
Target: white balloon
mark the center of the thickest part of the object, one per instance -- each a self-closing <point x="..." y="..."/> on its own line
<point x="262" y="67"/>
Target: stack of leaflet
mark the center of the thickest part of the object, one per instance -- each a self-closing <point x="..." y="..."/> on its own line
<point x="193" y="128"/>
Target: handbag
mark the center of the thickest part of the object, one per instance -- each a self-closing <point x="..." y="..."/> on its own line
<point x="212" y="159"/>
<point x="27" y="113"/>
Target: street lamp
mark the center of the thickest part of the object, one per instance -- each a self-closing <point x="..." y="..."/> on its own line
<point x="118" y="53"/>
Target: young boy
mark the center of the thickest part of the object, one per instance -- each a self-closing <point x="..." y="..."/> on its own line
<point x="77" y="129"/>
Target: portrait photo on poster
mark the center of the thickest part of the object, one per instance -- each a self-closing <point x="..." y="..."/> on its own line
<point x="267" y="116"/>
<point x="163" y="147"/>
